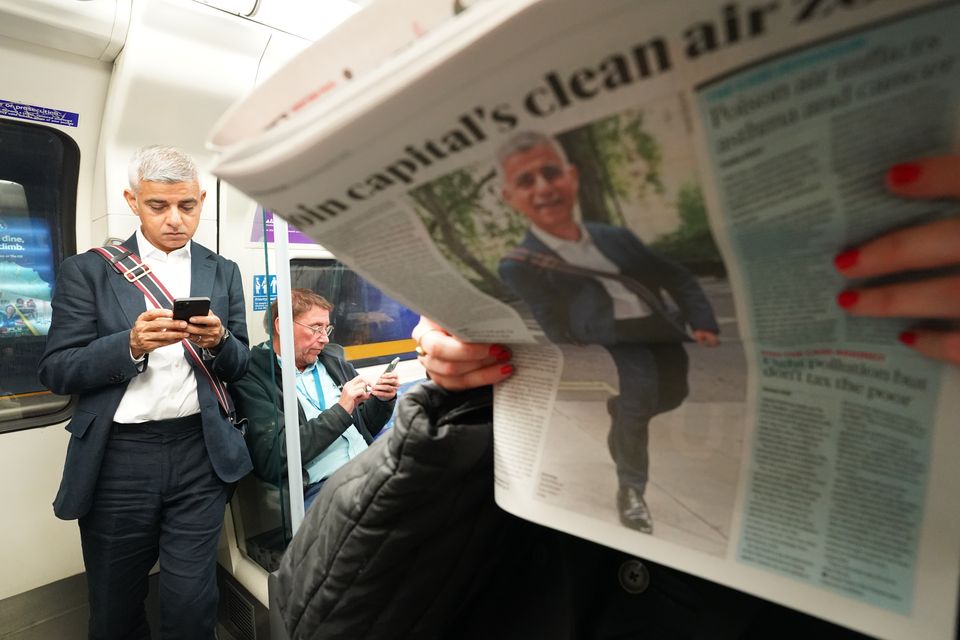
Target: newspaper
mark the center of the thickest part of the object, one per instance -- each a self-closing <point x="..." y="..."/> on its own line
<point x="806" y="458"/>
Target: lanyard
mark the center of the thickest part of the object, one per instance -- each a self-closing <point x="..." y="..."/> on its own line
<point x="316" y="382"/>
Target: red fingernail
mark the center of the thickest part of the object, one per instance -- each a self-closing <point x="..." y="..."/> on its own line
<point x="846" y="259"/>
<point x="847" y="299"/>
<point x="500" y="353"/>
<point x="908" y="338"/>
<point x="901" y="174"/>
<point x="506" y="369"/>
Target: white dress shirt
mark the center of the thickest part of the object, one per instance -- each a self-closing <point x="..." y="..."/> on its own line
<point x="167" y="388"/>
<point x="584" y="253"/>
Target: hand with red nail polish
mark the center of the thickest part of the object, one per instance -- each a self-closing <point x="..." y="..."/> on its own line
<point x="456" y="365"/>
<point x="933" y="245"/>
<point x="903" y="175"/>
<point x="847" y="299"/>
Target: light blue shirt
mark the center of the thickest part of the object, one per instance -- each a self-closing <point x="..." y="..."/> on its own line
<point x="314" y="398"/>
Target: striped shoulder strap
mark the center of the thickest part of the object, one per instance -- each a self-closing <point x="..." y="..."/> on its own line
<point x="138" y="273"/>
<point x="555" y="263"/>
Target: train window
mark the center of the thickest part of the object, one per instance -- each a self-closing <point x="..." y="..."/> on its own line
<point x="372" y="327"/>
<point x="39" y="167"/>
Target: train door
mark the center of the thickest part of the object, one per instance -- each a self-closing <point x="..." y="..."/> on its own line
<point x="54" y="78"/>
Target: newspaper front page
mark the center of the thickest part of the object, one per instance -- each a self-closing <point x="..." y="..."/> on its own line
<point x="694" y="166"/>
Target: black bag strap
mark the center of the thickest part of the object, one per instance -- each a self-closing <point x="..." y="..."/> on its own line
<point x="138" y="273"/>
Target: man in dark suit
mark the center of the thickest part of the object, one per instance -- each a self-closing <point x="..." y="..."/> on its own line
<point x="590" y="283"/>
<point x="153" y="450"/>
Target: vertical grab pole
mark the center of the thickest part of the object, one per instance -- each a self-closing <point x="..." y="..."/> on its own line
<point x="290" y="410"/>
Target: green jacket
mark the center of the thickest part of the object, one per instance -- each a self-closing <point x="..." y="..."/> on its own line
<point x="259" y="399"/>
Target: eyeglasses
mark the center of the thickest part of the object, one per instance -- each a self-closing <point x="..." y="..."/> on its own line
<point x="326" y="330"/>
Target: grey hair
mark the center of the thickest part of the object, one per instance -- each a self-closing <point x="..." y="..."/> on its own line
<point x="523" y="142"/>
<point x="160" y="163"/>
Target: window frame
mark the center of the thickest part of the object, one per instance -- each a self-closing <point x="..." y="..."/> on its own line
<point x="64" y="244"/>
<point x="358" y="362"/>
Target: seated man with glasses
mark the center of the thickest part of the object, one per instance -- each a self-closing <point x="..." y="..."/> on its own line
<point x="339" y="412"/>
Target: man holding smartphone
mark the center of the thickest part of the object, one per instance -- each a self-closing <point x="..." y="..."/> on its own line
<point x="154" y="448"/>
<point x="338" y="411"/>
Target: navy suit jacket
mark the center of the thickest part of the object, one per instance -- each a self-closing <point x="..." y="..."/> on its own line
<point x="578" y="309"/>
<point x="88" y="354"/>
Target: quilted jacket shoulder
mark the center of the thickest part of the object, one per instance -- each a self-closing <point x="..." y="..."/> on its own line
<point x="385" y="527"/>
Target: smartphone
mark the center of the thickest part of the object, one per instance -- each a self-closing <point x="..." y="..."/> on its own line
<point x="393" y="365"/>
<point x="186" y="308"/>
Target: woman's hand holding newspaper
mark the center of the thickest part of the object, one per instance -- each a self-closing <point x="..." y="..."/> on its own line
<point x="928" y="246"/>
<point x="457" y="365"/>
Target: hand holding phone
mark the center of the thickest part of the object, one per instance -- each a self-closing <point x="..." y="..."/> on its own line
<point x="186" y="308"/>
<point x="393" y="365"/>
<point x="390" y="367"/>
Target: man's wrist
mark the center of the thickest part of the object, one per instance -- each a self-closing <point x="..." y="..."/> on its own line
<point x="140" y="362"/>
<point x="215" y="349"/>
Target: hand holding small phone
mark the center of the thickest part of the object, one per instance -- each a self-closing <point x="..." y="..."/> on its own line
<point x="393" y="365"/>
<point x="207" y="332"/>
<point x="386" y="388"/>
<point x="153" y="329"/>
<point x="390" y="367"/>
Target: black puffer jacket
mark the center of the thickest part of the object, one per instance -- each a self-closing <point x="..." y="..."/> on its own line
<point x="405" y="541"/>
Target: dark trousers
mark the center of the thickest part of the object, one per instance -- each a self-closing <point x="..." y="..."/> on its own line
<point x="157" y="497"/>
<point x="653" y="379"/>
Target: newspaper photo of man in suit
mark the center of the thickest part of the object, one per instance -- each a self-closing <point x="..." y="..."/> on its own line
<point x="591" y="283"/>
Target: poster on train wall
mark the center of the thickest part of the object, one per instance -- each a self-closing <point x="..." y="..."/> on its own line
<point x="26" y="277"/>
<point x="263" y="227"/>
